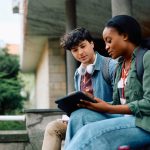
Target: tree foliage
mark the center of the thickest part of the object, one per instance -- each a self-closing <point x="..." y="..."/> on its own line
<point x="10" y="84"/>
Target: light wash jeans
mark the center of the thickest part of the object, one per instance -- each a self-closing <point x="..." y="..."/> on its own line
<point x="90" y="130"/>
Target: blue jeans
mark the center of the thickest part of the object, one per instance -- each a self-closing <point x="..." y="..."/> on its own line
<point x="90" y="130"/>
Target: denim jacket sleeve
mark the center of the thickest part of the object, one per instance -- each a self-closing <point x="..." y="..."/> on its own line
<point x="142" y="107"/>
<point x="112" y="69"/>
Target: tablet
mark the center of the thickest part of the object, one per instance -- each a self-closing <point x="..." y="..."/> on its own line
<point x="69" y="103"/>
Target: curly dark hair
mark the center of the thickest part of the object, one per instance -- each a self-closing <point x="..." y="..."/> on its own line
<point x="74" y="37"/>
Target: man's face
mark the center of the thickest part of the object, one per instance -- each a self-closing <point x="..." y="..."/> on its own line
<point x="84" y="52"/>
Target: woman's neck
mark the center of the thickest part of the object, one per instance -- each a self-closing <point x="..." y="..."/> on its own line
<point x="129" y="52"/>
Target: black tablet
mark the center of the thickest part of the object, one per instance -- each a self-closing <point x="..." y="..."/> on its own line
<point x="69" y="103"/>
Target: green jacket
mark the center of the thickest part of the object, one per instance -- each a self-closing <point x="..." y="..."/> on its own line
<point x="137" y="94"/>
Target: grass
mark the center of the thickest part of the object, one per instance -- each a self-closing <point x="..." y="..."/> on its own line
<point x="12" y="125"/>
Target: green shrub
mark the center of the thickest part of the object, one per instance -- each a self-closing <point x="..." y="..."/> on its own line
<point x="11" y="99"/>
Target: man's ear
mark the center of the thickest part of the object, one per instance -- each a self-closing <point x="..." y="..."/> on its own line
<point x="92" y="43"/>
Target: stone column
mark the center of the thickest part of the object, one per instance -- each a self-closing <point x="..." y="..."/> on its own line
<point x="70" y="61"/>
<point x="121" y="7"/>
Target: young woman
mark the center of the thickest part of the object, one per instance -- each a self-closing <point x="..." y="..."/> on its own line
<point x="104" y="126"/>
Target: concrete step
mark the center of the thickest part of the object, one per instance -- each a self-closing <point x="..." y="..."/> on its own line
<point x="13" y="136"/>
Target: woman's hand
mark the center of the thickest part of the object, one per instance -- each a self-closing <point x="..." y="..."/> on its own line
<point x="100" y="106"/>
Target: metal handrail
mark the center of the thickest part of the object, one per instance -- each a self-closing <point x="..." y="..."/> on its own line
<point x="12" y="118"/>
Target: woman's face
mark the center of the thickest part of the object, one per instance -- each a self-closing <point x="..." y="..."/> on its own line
<point x="116" y="44"/>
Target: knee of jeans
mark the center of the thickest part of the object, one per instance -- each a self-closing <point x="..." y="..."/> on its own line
<point x="79" y="114"/>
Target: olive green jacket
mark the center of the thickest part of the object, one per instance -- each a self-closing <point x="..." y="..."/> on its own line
<point x="137" y="94"/>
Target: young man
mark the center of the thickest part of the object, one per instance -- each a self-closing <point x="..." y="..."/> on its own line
<point x="89" y="78"/>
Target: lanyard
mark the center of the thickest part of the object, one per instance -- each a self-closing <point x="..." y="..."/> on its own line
<point x="124" y="75"/>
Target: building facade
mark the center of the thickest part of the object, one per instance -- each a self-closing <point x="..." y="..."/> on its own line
<point x="43" y="24"/>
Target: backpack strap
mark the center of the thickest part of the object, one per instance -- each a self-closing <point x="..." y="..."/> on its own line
<point x="105" y="70"/>
<point x="139" y="63"/>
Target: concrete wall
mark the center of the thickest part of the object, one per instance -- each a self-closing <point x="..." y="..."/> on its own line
<point x="57" y="72"/>
<point x="50" y="75"/>
<point x="36" y="121"/>
<point x="42" y="80"/>
<point x="14" y="146"/>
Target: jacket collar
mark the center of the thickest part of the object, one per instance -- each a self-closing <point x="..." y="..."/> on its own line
<point x="121" y="59"/>
<point x="135" y="52"/>
<point x="98" y="61"/>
